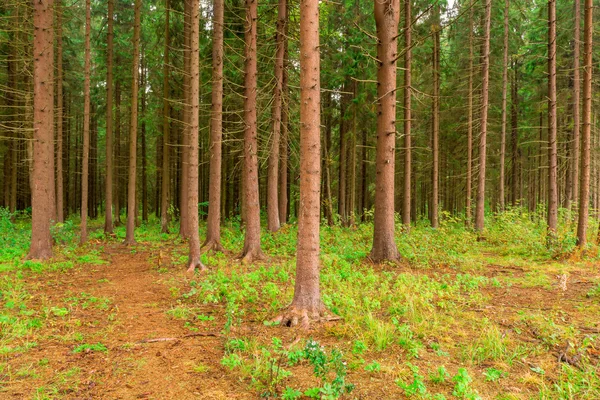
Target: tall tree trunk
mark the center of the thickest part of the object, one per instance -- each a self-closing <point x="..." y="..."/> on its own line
<point x="117" y="175"/>
<point x="584" y="196"/>
<point x="501" y="195"/>
<point x="552" y="141"/>
<point x="143" y="137"/>
<point x="387" y="17"/>
<point x="515" y="138"/>
<point x="469" y="183"/>
<point x="60" y="215"/>
<point x="352" y="161"/>
<point x="435" y="119"/>
<point x="213" y="225"/>
<point x="14" y="143"/>
<point x="194" y="119"/>
<point x="166" y="149"/>
<point x="307" y="304"/>
<point x="273" y="222"/>
<point x="284" y="150"/>
<point x="42" y="189"/>
<point x="252" y="248"/>
<point x="574" y="168"/>
<point x="108" y="215"/>
<point x="85" y="159"/>
<point x="406" y="201"/>
<point x="184" y="230"/>
<point x="485" y="70"/>
<point x="133" y="126"/>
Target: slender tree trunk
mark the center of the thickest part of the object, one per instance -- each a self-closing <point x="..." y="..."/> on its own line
<point x="284" y="150"/>
<point x="352" y="161"/>
<point x="213" y="225"/>
<point x="501" y="195"/>
<point x="86" y="124"/>
<point x="252" y="248"/>
<point x="143" y="137"/>
<point x="273" y="222"/>
<point x="552" y="141"/>
<point x="574" y="168"/>
<point x="131" y="188"/>
<point x="117" y="172"/>
<point x="485" y="70"/>
<point x="406" y="201"/>
<point x="515" y="138"/>
<point x="469" y="184"/>
<point x="342" y="159"/>
<point x="435" y="118"/>
<point x="166" y="149"/>
<point x="194" y="119"/>
<point x="60" y="215"/>
<point x="387" y="17"/>
<point x="14" y="143"/>
<point x="108" y="215"/>
<point x="185" y="138"/>
<point x="307" y="304"/>
<point x="584" y="196"/>
<point x="42" y="188"/>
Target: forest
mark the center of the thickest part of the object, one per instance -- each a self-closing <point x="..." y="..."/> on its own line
<point x="299" y="199"/>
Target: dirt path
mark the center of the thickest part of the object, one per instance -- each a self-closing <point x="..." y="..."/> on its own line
<point x="130" y="369"/>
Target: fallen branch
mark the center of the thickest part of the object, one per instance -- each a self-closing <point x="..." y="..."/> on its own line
<point x="172" y="339"/>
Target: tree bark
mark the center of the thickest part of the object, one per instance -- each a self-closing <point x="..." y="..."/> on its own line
<point x="108" y="214"/>
<point x="406" y="201"/>
<point x="501" y="195"/>
<point x="574" y="168"/>
<point x="42" y="182"/>
<point x="284" y="150"/>
<point x="184" y="230"/>
<point x="85" y="163"/>
<point x="117" y="172"/>
<point x="213" y="225"/>
<point x="131" y="188"/>
<point x="60" y="215"/>
<point x="435" y="119"/>
<point x="194" y="119"/>
<point x="307" y="304"/>
<point x="166" y="149"/>
<point x="552" y="144"/>
<point x="143" y="137"/>
<point x="584" y="196"/>
<point x="273" y="222"/>
<point x="469" y="183"/>
<point x="387" y="18"/>
<point x="485" y="70"/>
<point x="252" y="248"/>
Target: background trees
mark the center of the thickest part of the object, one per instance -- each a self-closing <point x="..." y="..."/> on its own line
<point x="520" y="121"/>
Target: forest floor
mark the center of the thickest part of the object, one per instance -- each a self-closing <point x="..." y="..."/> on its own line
<point x="503" y="318"/>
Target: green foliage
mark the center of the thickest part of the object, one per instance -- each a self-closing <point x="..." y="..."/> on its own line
<point x="88" y="348"/>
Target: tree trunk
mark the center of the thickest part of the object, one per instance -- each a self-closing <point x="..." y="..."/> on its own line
<point x="252" y="248"/>
<point x="166" y="149"/>
<point x="485" y="70"/>
<point x="501" y="195"/>
<point x="469" y="183"/>
<point x="552" y="144"/>
<point x="273" y="222"/>
<point x="435" y="118"/>
<point x="131" y="188"/>
<point x="185" y="136"/>
<point x="342" y="159"/>
<point x="213" y="225"/>
<point x="284" y="150"/>
<point x="574" y="168"/>
<point x="406" y="201"/>
<point x="194" y="119"/>
<point x="108" y="214"/>
<point x="143" y="137"/>
<point x="60" y="215"/>
<point x="307" y="304"/>
<point x="387" y="16"/>
<point x="514" y="138"/>
<point x="42" y="188"/>
<point x="584" y="196"/>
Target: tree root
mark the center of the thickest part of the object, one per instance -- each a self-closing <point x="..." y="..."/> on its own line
<point x="172" y="339"/>
<point x="251" y="255"/>
<point x="194" y="265"/>
<point x="212" y="245"/>
<point x="303" y="317"/>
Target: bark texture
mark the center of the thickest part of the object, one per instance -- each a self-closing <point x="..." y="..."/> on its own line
<point x="60" y="204"/>
<point x="166" y="149"/>
<point x="42" y="179"/>
<point x="85" y="163"/>
<point x="131" y="186"/>
<point x="406" y="203"/>
<point x="108" y="215"/>
<point x="387" y="15"/>
<point x="552" y="144"/>
<point x="501" y="194"/>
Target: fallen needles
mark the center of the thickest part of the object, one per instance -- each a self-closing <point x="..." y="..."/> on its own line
<point x="172" y="339"/>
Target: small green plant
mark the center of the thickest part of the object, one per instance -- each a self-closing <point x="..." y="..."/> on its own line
<point x="291" y="394"/>
<point x="373" y="367"/>
<point x="88" y="348"/>
<point x="462" y="388"/>
<point x="231" y="361"/>
<point x="493" y="374"/>
<point x="417" y="386"/>
<point x="358" y="347"/>
<point x="439" y="376"/>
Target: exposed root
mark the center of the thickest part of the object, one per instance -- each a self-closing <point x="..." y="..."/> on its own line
<point x="194" y="265"/>
<point x="212" y="245"/>
<point x="129" y="242"/>
<point x="303" y="317"/>
<point x="251" y="255"/>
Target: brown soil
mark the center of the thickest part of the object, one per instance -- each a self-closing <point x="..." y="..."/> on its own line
<point x="130" y="369"/>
